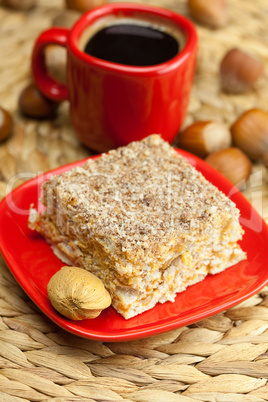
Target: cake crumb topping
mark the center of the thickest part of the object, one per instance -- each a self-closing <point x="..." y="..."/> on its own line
<point x="137" y="196"/>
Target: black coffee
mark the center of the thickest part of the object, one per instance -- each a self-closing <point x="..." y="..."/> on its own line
<point x="134" y="45"/>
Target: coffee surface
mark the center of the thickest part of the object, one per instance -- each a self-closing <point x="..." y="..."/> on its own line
<point x="131" y="44"/>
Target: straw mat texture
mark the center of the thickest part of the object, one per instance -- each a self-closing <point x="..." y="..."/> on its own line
<point x="220" y="359"/>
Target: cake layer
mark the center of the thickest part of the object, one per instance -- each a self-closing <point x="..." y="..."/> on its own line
<point x="134" y="295"/>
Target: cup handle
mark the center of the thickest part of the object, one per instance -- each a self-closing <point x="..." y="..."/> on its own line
<point x="47" y="85"/>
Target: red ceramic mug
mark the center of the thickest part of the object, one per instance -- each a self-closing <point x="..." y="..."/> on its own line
<point x="112" y="104"/>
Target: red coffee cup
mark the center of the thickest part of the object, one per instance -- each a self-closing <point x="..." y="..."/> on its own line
<point x="112" y="104"/>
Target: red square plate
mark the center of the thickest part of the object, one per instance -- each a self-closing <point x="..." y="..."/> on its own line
<point x="32" y="262"/>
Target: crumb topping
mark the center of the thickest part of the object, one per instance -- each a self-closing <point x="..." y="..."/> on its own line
<point x="137" y="196"/>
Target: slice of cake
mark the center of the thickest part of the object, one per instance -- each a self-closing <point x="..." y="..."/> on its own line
<point x="143" y="220"/>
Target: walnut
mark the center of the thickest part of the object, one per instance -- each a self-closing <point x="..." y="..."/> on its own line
<point x="77" y="294"/>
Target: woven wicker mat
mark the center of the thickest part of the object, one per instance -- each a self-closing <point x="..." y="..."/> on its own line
<point x="223" y="358"/>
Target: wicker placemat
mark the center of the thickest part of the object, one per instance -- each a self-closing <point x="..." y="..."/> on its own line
<point x="223" y="358"/>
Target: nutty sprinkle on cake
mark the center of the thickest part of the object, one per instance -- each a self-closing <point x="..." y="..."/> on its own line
<point x="146" y="191"/>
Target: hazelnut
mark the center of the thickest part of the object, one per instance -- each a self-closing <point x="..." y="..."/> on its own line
<point x="250" y="133"/>
<point x="19" y="4"/>
<point x="56" y="56"/>
<point x="265" y="159"/>
<point x="56" y="60"/>
<point x="6" y="124"/>
<point x="66" y="18"/>
<point x="204" y="137"/>
<point x="77" y="294"/>
<point x="33" y="104"/>
<point x="209" y="12"/>
<point x="232" y="163"/>
<point x="239" y="71"/>
<point x="83" y="5"/>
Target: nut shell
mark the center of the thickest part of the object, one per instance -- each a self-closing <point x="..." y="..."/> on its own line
<point x="19" y="4"/>
<point x="233" y="164"/>
<point x="213" y="13"/>
<point x="265" y="159"/>
<point x="77" y="294"/>
<point x="56" y="61"/>
<point x="204" y="137"/>
<point x="239" y="71"/>
<point x="6" y="124"/>
<point x="66" y="18"/>
<point x="33" y="104"/>
<point x="83" y="5"/>
<point x="250" y="133"/>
